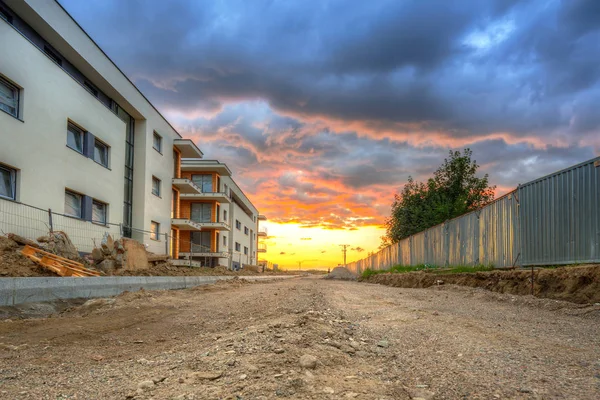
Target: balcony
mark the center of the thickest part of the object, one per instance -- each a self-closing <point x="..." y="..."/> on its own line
<point x="186" y="186"/>
<point x="262" y="232"/>
<point x="206" y="166"/>
<point x="189" y="225"/>
<point x="187" y="148"/>
<point x="262" y="248"/>
<point x="262" y="217"/>
<point x="204" y="253"/>
<point x="212" y="196"/>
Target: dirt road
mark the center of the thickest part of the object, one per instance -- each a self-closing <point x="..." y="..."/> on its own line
<point x="246" y="341"/>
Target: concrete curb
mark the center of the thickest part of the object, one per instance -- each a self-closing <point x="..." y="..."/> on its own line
<point x="15" y="291"/>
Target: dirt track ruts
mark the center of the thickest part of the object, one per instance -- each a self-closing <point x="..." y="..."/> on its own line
<point x="243" y="341"/>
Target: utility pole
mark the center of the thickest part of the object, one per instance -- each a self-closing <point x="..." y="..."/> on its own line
<point x="344" y="250"/>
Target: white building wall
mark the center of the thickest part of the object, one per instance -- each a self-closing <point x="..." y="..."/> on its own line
<point x="36" y="146"/>
<point x="235" y="212"/>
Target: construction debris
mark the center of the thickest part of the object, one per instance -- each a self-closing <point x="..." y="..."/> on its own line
<point x="59" y="265"/>
<point x="58" y="243"/>
<point x="113" y="255"/>
<point x="23" y="241"/>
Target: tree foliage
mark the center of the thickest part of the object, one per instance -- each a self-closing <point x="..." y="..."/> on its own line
<point x="453" y="190"/>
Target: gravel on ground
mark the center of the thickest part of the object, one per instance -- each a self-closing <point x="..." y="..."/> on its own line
<point x="306" y="338"/>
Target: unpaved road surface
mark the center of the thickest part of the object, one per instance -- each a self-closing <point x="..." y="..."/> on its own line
<point x="245" y="341"/>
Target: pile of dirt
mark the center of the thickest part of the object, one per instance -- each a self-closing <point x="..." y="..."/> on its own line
<point x="341" y="273"/>
<point x="14" y="264"/>
<point x="575" y="284"/>
<point x="123" y="257"/>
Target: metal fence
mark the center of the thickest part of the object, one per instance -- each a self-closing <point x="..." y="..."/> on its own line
<point x="550" y="221"/>
<point x="32" y="222"/>
<point x="560" y="216"/>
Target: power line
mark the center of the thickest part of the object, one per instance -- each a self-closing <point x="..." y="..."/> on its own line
<point x="344" y="250"/>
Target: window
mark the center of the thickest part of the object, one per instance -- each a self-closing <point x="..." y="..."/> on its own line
<point x="226" y="188"/>
<point x="8" y="182"/>
<point x="204" y="182"/>
<point x="157" y="142"/>
<point x="238" y="225"/>
<point x="225" y="215"/>
<point x="201" y="242"/>
<point x="9" y="98"/>
<point x="176" y="165"/>
<point x="246" y="230"/>
<point x="73" y="204"/>
<point x="50" y="52"/>
<point x="201" y="212"/>
<point x="101" y="153"/>
<point x="99" y="212"/>
<point x="91" y="88"/>
<point x="224" y="240"/>
<point x="245" y="250"/>
<point x="174" y="202"/>
<point x="155" y="186"/>
<point x="237" y="246"/>
<point x="154" y="230"/>
<point x="5" y="15"/>
<point x="75" y="137"/>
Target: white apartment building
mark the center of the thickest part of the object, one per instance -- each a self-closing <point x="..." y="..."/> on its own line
<point x="78" y="137"/>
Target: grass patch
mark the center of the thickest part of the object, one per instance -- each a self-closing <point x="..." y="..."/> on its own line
<point x="401" y="269"/>
<point x="466" y="268"/>
<point x="397" y="269"/>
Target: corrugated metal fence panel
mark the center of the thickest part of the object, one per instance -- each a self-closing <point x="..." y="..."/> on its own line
<point x="499" y="232"/>
<point x="435" y="248"/>
<point x="405" y="251"/>
<point x="417" y="249"/>
<point x="560" y="216"/>
<point x="463" y="238"/>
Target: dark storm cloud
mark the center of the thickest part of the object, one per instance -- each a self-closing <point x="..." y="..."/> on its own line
<point x="473" y="67"/>
<point x="333" y="104"/>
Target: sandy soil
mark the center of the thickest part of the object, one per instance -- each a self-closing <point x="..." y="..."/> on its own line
<point x="245" y="341"/>
<point x="578" y="284"/>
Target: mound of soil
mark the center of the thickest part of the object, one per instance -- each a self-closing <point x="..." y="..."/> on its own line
<point x="574" y="284"/>
<point x="341" y="273"/>
<point x="13" y="264"/>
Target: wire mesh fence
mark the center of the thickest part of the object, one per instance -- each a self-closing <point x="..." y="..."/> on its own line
<point x="32" y="222"/>
<point x="27" y="221"/>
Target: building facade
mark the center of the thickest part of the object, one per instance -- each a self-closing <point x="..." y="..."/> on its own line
<point x="78" y="137"/>
<point x="213" y="222"/>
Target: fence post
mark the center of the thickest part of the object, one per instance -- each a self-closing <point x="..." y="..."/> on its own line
<point x="121" y="229"/>
<point x="167" y="243"/>
<point x="50" y="220"/>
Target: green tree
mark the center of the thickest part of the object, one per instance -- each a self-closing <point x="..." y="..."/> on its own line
<point x="453" y="190"/>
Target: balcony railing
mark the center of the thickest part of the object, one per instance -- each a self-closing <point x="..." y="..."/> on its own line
<point x="262" y="248"/>
<point x="263" y="232"/>
<point x="189" y="224"/>
<point x="221" y="197"/>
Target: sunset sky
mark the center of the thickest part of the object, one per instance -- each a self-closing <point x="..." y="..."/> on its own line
<point x="322" y="109"/>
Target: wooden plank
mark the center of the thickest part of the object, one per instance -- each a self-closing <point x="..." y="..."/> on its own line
<point x="57" y="264"/>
